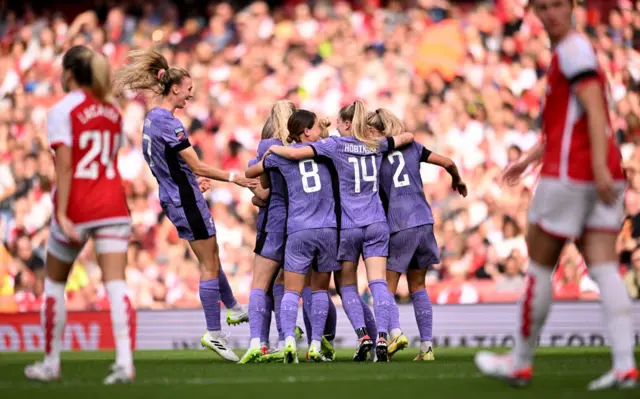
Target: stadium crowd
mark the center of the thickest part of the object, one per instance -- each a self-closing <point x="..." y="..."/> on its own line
<point x="467" y="80"/>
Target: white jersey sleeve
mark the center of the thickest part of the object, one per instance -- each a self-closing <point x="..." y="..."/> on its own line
<point x="59" y="128"/>
<point x="59" y="120"/>
<point x="576" y="58"/>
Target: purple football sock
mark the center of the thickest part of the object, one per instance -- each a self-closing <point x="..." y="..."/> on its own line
<point x="257" y="312"/>
<point x="370" y="321"/>
<point x="381" y="304"/>
<point x="424" y="314"/>
<point x="278" y="293"/>
<point x="332" y="320"/>
<point x="306" y="312"/>
<point x="226" y="294"/>
<point x="266" y="325"/>
<point x="394" y="315"/>
<point x="352" y="306"/>
<point x="210" y="299"/>
<point x="289" y="312"/>
<point x="319" y="313"/>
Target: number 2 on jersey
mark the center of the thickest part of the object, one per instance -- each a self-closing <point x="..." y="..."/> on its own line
<point x="373" y="177"/>
<point x="147" y="137"/>
<point x="310" y="178"/>
<point x="397" y="181"/>
<point x="99" y="144"/>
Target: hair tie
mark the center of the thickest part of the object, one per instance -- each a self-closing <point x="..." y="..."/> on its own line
<point x="160" y="73"/>
<point x="378" y="111"/>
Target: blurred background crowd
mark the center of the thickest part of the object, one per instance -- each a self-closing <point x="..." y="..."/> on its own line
<point x="466" y="77"/>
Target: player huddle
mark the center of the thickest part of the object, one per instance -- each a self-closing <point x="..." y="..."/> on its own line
<point x="357" y="195"/>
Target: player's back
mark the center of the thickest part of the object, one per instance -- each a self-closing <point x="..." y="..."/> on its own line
<point x="92" y="128"/>
<point x="401" y="188"/>
<point x="309" y="187"/>
<point x="565" y="124"/>
<point x="357" y="167"/>
<point x="275" y="215"/>
<point x="163" y="139"/>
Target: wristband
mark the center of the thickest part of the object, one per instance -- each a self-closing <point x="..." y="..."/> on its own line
<point x="232" y="176"/>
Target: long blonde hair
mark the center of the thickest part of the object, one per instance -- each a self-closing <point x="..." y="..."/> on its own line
<point x="385" y="121"/>
<point x="280" y="114"/>
<point x="148" y="70"/>
<point x="89" y="69"/>
<point x="356" y="113"/>
<point x="324" y="124"/>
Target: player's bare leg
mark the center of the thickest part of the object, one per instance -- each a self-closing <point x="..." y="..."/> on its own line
<point x="398" y="341"/>
<point x="533" y="308"/>
<point x="264" y="270"/>
<point x="122" y="315"/>
<point x="383" y="302"/>
<point x="423" y="311"/>
<point x="53" y="318"/>
<point x="207" y="252"/>
<point x="293" y="284"/>
<point x="598" y="249"/>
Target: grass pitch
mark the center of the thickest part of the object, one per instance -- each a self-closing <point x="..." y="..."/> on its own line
<point x="559" y="373"/>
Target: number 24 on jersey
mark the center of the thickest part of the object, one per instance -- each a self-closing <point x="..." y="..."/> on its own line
<point x="102" y="149"/>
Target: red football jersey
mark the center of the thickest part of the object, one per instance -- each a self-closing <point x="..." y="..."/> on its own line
<point x="93" y="130"/>
<point x="567" y="154"/>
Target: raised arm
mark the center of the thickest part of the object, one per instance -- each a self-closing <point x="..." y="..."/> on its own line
<point x="258" y="202"/>
<point x="261" y="193"/>
<point x="202" y="169"/>
<point x="534" y="154"/>
<point x="255" y="170"/>
<point x="402" y="140"/>
<point x="292" y="153"/>
<point x="512" y="173"/>
<point x="265" y="181"/>
<point x="448" y="165"/>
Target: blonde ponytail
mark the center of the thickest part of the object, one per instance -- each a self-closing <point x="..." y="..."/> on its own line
<point x="280" y="114"/>
<point x="359" y="125"/>
<point x="385" y="122"/>
<point x="100" y="76"/>
<point x="148" y="70"/>
<point x="324" y="124"/>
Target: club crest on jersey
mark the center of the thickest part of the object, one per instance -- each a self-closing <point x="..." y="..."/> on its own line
<point x="180" y="133"/>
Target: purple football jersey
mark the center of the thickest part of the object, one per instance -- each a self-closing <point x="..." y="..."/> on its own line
<point x="311" y="203"/>
<point x="401" y="184"/>
<point x="357" y="168"/>
<point x="163" y="137"/>
<point x="261" y="209"/>
<point x="275" y="215"/>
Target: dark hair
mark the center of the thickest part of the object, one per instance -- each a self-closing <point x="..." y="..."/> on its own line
<point x="298" y="121"/>
<point x="88" y="69"/>
<point x="149" y="70"/>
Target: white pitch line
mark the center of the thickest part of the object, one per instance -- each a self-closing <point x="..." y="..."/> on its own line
<point x="269" y="380"/>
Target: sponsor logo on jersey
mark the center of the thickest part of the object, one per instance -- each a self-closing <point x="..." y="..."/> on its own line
<point x="180" y="133"/>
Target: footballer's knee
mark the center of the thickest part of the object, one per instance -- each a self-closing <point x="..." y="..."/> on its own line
<point x="416" y="280"/>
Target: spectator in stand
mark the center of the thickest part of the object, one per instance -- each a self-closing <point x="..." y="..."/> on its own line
<point x="26" y="297"/>
<point x="512" y="279"/>
<point x="632" y="277"/>
<point x="459" y="291"/>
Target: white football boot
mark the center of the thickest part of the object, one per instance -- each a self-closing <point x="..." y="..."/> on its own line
<point x="217" y="342"/>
